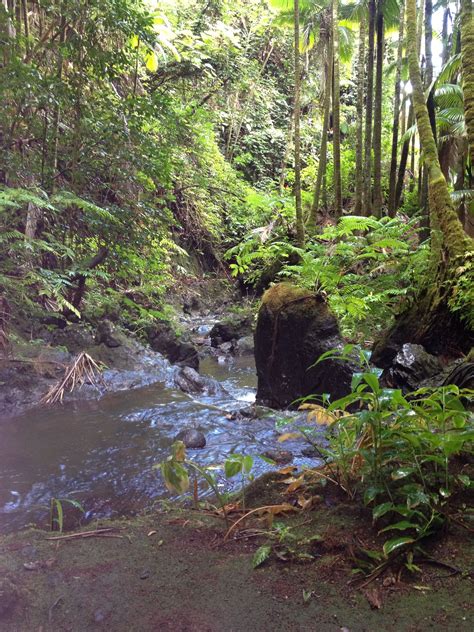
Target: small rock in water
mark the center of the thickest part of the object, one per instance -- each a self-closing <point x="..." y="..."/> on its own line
<point x="279" y="456"/>
<point x="192" y="438"/>
<point x="309" y="452"/>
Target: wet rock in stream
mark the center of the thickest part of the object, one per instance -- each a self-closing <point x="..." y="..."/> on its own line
<point x="410" y="367"/>
<point x="279" y="456"/>
<point x="190" y="381"/>
<point x="163" y="338"/>
<point x="230" y="329"/>
<point x="105" y="334"/>
<point x="192" y="438"/>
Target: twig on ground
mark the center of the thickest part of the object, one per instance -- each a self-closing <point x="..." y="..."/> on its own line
<point x="106" y="532"/>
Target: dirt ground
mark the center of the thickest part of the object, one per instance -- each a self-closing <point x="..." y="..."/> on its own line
<point x="172" y="570"/>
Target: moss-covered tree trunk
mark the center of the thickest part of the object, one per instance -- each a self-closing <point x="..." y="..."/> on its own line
<point x="438" y="319"/>
<point x="336" y="112"/>
<point x="359" y="184"/>
<point x="297" y="115"/>
<point x="467" y="52"/>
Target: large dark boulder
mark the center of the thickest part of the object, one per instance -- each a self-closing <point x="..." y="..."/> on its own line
<point x="294" y="328"/>
<point x="163" y="338"/>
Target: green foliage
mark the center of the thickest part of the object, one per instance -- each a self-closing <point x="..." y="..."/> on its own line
<point x="366" y="267"/>
<point x="261" y="554"/>
<point x="56" y="512"/>
<point x="399" y="453"/>
<point x="176" y="477"/>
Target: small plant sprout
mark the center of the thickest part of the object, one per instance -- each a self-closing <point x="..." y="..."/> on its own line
<point x="56" y="512"/>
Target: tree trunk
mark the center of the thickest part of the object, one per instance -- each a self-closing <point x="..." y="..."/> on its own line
<point x="445" y="36"/>
<point x="424" y="198"/>
<point x="392" y="207"/>
<point x="378" y="198"/>
<point x="284" y="160"/>
<point x="57" y="112"/>
<point x="367" y="193"/>
<point x="431" y="321"/>
<point x="323" y="154"/>
<point x="336" y="112"/>
<point x="467" y="52"/>
<point x="297" y="71"/>
<point x="359" y="183"/>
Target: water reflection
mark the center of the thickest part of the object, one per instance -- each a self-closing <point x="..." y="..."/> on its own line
<point x="102" y="452"/>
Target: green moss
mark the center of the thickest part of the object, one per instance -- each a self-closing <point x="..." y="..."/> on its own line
<point x="282" y="294"/>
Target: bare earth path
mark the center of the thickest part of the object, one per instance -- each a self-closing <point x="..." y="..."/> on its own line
<point x="171" y="571"/>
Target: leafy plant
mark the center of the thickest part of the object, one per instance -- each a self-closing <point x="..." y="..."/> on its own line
<point x="399" y="453"/>
<point x="175" y="473"/>
<point x="56" y="512"/>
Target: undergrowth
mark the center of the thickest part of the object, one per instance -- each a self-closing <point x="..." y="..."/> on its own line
<point x="367" y="267"/>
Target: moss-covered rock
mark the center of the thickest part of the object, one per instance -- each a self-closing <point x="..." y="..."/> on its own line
<point x="294" y="328"/>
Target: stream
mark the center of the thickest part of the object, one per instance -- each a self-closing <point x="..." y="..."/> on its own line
<point x="101" y="452"/>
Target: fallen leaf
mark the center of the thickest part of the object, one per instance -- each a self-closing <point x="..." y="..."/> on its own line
<point x="421" y="587"/>
<point x="294" y="485"/>
<point x="289" y="469"/>
<point x="374" y="598"/>
<point x="307" y="503"/>
<point x="288" y="435"/>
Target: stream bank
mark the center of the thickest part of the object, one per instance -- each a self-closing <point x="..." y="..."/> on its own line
<point x="173" y="571"/>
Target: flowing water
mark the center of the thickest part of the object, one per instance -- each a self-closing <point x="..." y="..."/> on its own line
<point x="101" y="452"/>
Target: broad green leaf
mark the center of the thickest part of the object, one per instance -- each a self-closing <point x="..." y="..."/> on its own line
<point x="381" y="510"/>
<point x="178" y="450"/>
<point x="247" y="463"/>
<point x="401" y="526"/>
<point x="232" y="467"/>
<point x="396" y="543"/>
<point x="175" y="476"/>
<point x="402" y="472"/>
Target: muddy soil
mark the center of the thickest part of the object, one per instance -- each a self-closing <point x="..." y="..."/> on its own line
<point x="174" y="571"/>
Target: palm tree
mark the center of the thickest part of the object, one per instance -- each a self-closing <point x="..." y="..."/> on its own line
<point x="467" y="55"/>
<point x="297" y="132"/>
<point x="336" y="112"/>
<point x="367" y="191"/>
<point x="396" y="120"/>
<point x="328" y="51"/>
<point x="360" y="116"/>
<point x="378" y="112"/>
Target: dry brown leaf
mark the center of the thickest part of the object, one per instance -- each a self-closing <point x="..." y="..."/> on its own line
<point x="307" y="503"/>
<point x="287" y="470"/>
<point x="294" y="485"/>
<point x="374" y="598"/>
<point x="287" y="436"/>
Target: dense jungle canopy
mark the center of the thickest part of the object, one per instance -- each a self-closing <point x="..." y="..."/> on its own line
<point x="329" y="140"/>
